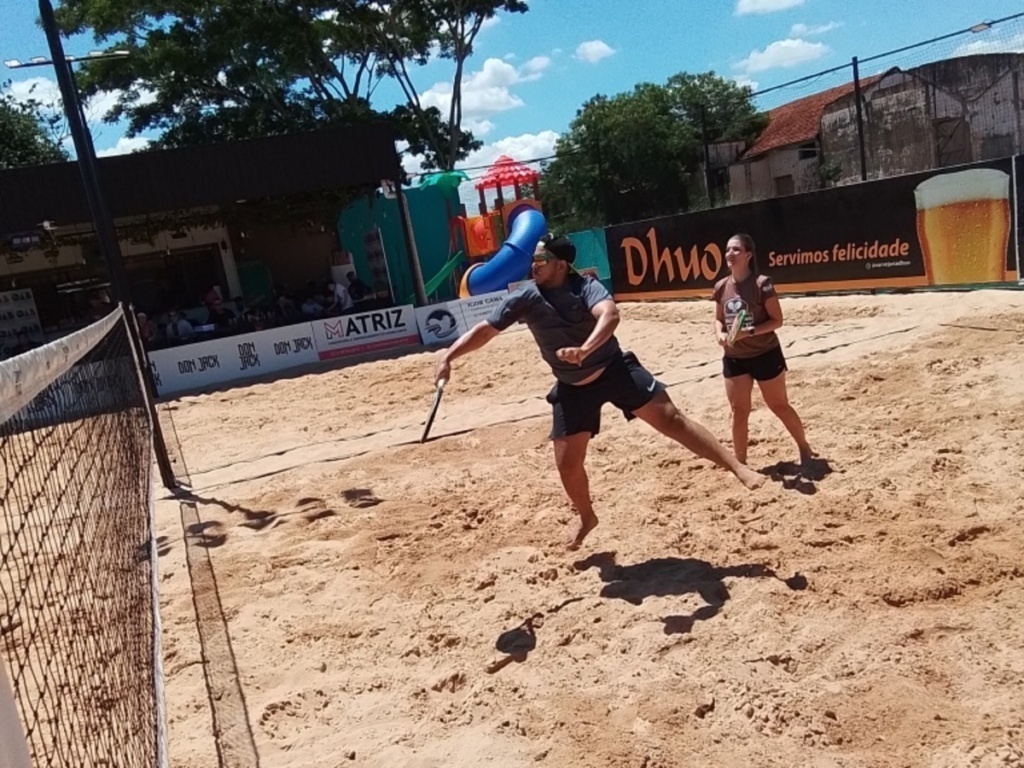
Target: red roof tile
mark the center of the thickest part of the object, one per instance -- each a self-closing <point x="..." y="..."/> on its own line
<point x="800" y="120"/>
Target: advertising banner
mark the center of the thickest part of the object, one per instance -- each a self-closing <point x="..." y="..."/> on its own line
<point x="445" y="322"/>
<point x="88" y="389"/>
<point x="18" y="315"/>
<point x="193" y="366"/>
<point x="365" y="332"/>
<point x="1018" y="183"/>
<point x="946" y="227"/>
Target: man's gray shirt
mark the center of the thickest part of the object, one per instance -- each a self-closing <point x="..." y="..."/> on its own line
<point x="557" y="318"/>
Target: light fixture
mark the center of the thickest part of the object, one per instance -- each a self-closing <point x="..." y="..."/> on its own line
<point x="38" y="61"/>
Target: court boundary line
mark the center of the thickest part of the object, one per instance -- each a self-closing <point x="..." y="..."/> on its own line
<point x="468" y="430"/>
<point x="232" y="730"/>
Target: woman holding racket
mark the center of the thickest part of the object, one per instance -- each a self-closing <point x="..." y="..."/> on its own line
<point x="747" y="314"/>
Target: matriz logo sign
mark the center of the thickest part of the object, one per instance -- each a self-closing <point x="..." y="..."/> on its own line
<point x="361" y="325"/>
<point x="334" y="330"/>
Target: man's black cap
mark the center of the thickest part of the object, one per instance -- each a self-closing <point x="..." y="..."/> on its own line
<point x="560" y="247"/>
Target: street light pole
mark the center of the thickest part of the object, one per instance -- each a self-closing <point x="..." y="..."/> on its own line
<point x="102" y="223"/>
<point x="86" y="152"/>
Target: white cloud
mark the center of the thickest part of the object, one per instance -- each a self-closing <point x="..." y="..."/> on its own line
<point x="527" y="146"/>
<point x="744" y="7"/>
<point x="808" y="30"/>
<point x="592" y="51"/>
<point x="486" y="92"/>
<point x="40" y="89"/>
<point x="124" y="146"/>
<point x="478" y="128"/>
<point x="47" y="93"/>
<point x="101" y="103"/>
<point x="782" y="54"/>
<point x="412" y="164"/>
<point x="493" y="21"/>
<point x="742" y="80"/>
<point x="1013" y="44"/>
<point x="534" y="69"/>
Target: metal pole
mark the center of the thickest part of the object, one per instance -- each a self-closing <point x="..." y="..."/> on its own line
<point x="602" y="184"/>
<point x="860" y="121"/>
<point x="707" y="155"/>
<point x="103" y="224"/>
<point x="86" y="153"/>
<point x="410" y="245"/>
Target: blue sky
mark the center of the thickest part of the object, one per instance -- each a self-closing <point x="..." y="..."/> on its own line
<point x="531" y="72"/>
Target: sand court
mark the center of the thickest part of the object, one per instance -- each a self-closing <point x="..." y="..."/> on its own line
<point x="366" y="600"/>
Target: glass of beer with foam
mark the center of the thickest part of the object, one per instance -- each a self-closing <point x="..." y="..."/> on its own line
<point x="963" y="225"/>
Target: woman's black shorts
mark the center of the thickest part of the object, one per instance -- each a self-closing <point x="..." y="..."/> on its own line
<point x="763" y="367"/>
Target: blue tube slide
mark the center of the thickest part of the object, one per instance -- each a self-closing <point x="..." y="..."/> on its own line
<point x="512" y="261"/>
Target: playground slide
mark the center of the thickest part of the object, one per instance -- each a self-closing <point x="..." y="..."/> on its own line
<point x="512" y="261"/>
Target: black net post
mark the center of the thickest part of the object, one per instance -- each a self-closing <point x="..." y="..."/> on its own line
<point x="104" y="225"/>
<point x="163" y="459"/>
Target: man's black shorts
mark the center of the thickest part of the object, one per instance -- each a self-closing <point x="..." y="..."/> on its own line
<point x="625" y="383"/>
<point x="763" y="367"/>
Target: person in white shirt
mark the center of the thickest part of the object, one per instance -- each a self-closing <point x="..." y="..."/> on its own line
<point x="345" y="302"/>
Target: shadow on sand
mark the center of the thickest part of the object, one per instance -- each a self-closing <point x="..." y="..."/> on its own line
<point x="517" y="643"/>
<point x="666" y="576"/>
<point x="799" y="477"/>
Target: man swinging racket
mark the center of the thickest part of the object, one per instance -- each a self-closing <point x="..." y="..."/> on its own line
<point x="573" y="320"/>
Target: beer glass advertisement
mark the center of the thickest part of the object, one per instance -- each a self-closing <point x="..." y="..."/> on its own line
<point x="1018" y="177"/>
<point x="950" y="226"/>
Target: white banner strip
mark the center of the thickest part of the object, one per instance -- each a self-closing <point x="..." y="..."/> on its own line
<point x="26" y="375"/>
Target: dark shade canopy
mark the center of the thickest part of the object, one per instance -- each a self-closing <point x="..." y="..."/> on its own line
<point x="211" y="175"/>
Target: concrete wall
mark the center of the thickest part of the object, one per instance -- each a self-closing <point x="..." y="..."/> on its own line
<point x="896" y="120"/>
<point x="954" y="111"/>
<point x="764" y="176"/>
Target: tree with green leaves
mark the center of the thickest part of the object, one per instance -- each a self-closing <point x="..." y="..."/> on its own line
<point x="218" y="70"/>
<point x="408" y="31"/>
<point x="27" y="135"/>
<point x="636" y="155"/>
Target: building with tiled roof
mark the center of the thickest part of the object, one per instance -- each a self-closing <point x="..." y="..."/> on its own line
<point x="798" y="122"/>
<point x="784" y="159"/>
<point x="958" y="110"/>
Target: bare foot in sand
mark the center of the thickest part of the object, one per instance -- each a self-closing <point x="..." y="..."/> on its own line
<point x="751" y="479"/>
<point x="586" y="525"/>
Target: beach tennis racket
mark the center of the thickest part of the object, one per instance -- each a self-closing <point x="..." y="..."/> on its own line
<point x="433" y="410"/>
<point x="737" y="324"/>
